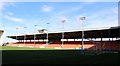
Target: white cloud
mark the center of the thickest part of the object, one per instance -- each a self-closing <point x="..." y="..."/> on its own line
<point x="46" y="8"/>
<point x="14" y="19"/>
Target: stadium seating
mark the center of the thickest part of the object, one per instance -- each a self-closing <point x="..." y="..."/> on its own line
<point x="110" y="45"/>
<point x="53" y="45"/>
<point x="97" y="45"/>
<point x="106" y="45"/>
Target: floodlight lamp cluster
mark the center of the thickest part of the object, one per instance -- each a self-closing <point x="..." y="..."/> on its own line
<point x="82" y="18"/>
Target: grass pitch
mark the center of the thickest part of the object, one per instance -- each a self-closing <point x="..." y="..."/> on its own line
<point x="52" y="56"/>
<point x="23" y="48"/>
<point x="27" y="48"/>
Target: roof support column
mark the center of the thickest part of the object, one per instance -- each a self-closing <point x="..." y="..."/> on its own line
<point x="109" y="34"/>
<point x="100" y="46"/>
<point x="24" y="39"/>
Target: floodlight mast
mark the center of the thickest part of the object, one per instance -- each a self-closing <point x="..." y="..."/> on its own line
<point x="25" y="35"/>
<point x="47" y="34"/>
<point x="34" y="34"/>
<point x="63" y="21"/>
<point x="82" y="20"/>
<point x="17" y="32"/>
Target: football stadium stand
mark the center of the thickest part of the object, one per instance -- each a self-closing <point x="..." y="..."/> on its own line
<point x="91" y="41"/>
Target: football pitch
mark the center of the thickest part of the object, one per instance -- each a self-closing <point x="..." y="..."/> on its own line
<point x="20" y="55"/>
<point x="24" y="48"/>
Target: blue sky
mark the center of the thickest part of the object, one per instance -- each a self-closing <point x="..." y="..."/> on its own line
<point x="27" y="14"/>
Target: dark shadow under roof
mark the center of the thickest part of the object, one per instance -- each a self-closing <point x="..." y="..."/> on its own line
<point x="113" y="32"/>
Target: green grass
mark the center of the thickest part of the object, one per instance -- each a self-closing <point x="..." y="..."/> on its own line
<point x="26" y="48"/>
<point x="51" y="56"/>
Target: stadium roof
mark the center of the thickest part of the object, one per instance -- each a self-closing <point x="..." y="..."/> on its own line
<point x="112" y="32"/>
